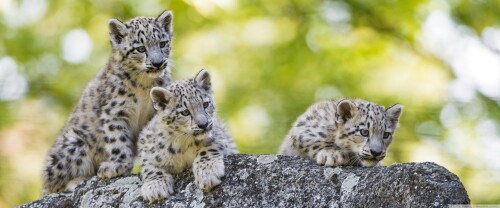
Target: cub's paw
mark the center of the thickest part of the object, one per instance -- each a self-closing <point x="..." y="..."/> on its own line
<point x="329" y="157"/>
<point x="156" y="190"/>
<point x="71" y="186"/>
<point x="110" y="169"/>
<point x="207" y="174"/>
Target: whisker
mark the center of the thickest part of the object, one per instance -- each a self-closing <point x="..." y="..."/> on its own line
<point x="353" y="160"/>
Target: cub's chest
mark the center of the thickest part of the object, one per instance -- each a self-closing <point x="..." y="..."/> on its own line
<point x="182" y="160"/>
<point x="141" y="111"/>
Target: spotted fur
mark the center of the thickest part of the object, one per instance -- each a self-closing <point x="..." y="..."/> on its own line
<point x="343" y="132"/>
<point x="99" y="137"/>
<point x="185" y="132"/>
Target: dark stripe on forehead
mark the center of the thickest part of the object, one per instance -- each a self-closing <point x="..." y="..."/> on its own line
<point x="156" y="33"/>
<point x="141" y="36"/>
<point x="192" y="101"/>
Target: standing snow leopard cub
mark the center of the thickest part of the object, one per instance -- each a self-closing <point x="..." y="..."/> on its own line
<point x="100" y="134"/>
<point x="343" y="132"/>
<point x="184" y="132"/>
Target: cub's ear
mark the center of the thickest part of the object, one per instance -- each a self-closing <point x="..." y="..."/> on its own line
<point x="165" y="21"/>
<point x="160" y="97"/>
<point x="346" y="109"/>
<point x="394" y="112"/>
<point x="202" y="79"/>
<point x="117" y="32"/>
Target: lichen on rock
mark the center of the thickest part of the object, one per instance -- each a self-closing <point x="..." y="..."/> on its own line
<point x="283" y="181"/>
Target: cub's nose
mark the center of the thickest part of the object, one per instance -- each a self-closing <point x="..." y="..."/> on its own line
<point x="157" y="64"/>
<point x="376" y="153"/>
<point x="203" y="125"/>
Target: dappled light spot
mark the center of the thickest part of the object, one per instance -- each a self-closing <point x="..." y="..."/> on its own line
<point x="491" y="38"/>
<point x="77" y="46"/>
<point x="19" y="13"/>
<point x="12" y="84"/>
<point x="250" y="124"/>
<point x="413" y="80"/>
<point x="259" y="32"/>
<point x="327" y="93"/>
<point x="208" y="7"/>
<point x="461" y="91"/>
<point x="489" y="141"/>
<point x="471" y="61"/>
<point x="449" y="115"/>
<point x="337" y="14"/>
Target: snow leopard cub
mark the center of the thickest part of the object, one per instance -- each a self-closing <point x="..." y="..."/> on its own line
<point x="184" y="132"/>
<point x="343" y="132"/>
<point x="100" y="134"/>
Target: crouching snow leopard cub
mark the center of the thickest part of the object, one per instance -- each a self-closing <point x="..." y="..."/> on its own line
<point x="184" y="132"/>
<point x="100" y="134"/>
<point x="343" y="132"/>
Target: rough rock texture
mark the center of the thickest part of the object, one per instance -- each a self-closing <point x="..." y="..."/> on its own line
<point x="282" y="181"/>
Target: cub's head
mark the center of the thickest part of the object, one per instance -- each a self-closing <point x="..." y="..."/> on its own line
<point x="366" y="129"/>
<point x="187" y="105"/>
<point x="142" y="43"/>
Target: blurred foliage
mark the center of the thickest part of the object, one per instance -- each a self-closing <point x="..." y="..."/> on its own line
<point x="270" y="61"/>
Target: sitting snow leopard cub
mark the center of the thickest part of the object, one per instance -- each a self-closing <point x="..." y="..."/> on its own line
<point x="343" y="132"/>
<point x="184" y="132"/>
<point x="99" y="137"/>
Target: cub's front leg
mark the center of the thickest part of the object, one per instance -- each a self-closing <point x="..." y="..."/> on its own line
<point x="331" y="157"/>
<point x="117" y="144"/>
<point x="157" y="184"/>
<point x="208" y="167"/>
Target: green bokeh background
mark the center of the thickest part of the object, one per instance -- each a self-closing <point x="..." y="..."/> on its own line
<point x="270" y="60"/>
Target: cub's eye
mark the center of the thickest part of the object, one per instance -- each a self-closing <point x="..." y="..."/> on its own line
<point x="206" y="104"/>
<point x="387" y="135"/>
<point x="163" y="44"/>
<point x="185" y="112"/>
<point x="364" y="132"/>
<point x="141" y="49"/>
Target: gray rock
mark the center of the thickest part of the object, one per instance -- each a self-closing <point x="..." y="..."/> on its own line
<point x="282" y="181"/>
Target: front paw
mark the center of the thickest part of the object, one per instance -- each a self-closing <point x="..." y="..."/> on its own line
<point x="207" y="174"/>
<point x="71" y="185"/>
<point x="110" y="169"/>
<point x="156" y="190"/>
<point x="329" y="157"/>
